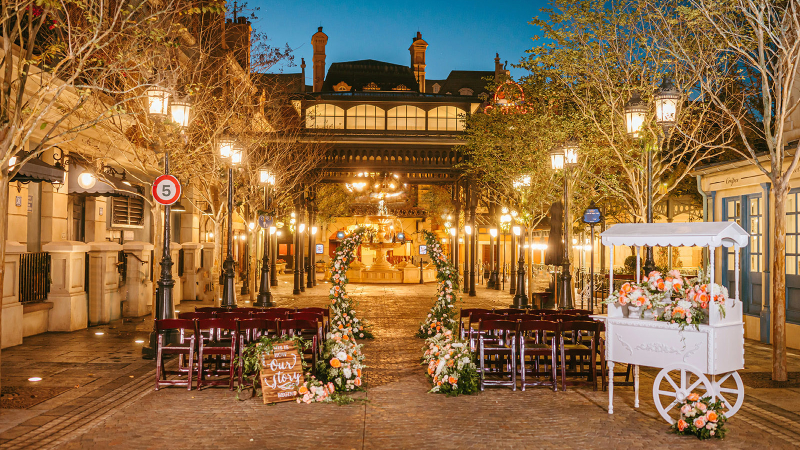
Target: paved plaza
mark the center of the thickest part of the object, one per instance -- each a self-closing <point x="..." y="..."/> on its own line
<point x="97" y="392"/>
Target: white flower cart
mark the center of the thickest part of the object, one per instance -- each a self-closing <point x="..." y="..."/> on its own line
<point x="703" y="360"/>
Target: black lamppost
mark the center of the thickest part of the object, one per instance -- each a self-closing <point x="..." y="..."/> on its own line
<point x="520" y="297"/>
<point x="666" y="100"/>
<point x="467" y="255"/>
<point x="562" y="158"/>
<point x="178" y="111"/>
<point x="505" y="222"/>
<point x="493" y="275"/>
<point x="230" y="152"/>
<point x="264" y="297"/>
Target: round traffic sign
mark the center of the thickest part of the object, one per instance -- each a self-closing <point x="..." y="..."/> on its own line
<point x="264" y="221"/>
<point x="166" y="189"/>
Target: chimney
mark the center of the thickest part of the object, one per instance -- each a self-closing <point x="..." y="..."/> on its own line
<point x="498" y="68"/>
<point x="319" y="40"/>
<point x="417" y="50"/>
<point x="238" y="33"/>
<point x="303" y="69"/>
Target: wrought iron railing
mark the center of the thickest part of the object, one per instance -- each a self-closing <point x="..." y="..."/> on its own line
<point x="34" y="277"/>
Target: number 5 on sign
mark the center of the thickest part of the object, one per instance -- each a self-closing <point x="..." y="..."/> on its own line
<point x="166" y="189"/>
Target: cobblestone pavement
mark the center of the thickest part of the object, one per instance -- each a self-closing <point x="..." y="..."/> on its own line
<point x="110" y="402"/>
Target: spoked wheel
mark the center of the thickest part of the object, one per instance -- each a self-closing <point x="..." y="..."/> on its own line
<point x="673" y="384"/>
<point x="729" y="389"/>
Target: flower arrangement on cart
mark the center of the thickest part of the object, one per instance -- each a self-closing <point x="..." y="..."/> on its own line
<point x="671" y="298"/>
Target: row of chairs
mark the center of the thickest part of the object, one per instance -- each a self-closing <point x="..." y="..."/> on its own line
<point x="320" y="314"/>
<point x="474" y="315"/>
<point x="224" y="335"/>
<point x="537" y="344"/>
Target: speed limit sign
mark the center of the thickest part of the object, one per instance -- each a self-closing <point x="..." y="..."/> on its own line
<point x="166" y="189"/>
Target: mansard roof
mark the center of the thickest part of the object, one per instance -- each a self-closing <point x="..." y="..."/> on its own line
<point x="368" y="74"/>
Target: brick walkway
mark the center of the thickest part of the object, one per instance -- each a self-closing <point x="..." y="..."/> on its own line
<point x="110" y="402"/>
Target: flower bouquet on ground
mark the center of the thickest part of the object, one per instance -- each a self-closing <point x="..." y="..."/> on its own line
<point x="450" y="365"/>
<point x="342" y="362"/>
<point x="701" y="417"/>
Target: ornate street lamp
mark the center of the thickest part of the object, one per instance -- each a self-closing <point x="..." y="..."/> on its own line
<point x="635" y="114"/>
<point x="520" y="297"/>
<point x="264" y="297"/>
<point x="493" y="275"/>
<point x="158" y="107"/>
<point x="232" y="154"/>
<point x="565" y="157"/>
<point x="157" y="102"/>
<point x="505" y="222"/>
<point x="180" y="111"/>
<point x="667" y="99"/>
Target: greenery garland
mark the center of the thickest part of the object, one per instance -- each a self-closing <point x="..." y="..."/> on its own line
<point x="449" y="361"/>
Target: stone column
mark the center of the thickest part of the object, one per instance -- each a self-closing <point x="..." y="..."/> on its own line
<point x="139" y="296"/>
<point x="12" y="328"/>
<point x="191" y="263"/>
<point x="104" y="298"/>
<point x="67" y="288"/>
<point x="177" y="290"/>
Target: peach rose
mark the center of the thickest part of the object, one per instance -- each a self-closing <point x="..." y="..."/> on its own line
<point x="702" y="406"/>
<point x="711" y="416"/>
<point x="335" y="363"/>
<point x="302" y="390"/>
<point x="693" y="397"/>
<point x="682" y="425"/>
<point x="358" y="382"/>
<point x="700" y="422"/>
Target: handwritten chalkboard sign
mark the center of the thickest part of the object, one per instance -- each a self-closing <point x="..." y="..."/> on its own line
<point x="281" y="372"/>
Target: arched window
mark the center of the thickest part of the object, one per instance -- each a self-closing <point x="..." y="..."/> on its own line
<point x="465" y="91"/>
<point x="446" y="118"/>
<point x="405" y="117"/>
<point x="324" y="116"/>
<point x="366" y="117"/>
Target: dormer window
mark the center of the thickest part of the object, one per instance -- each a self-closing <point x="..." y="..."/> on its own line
<point x="401" y="87"/>
<point x="342" y="87"/>
<point x="372" y="87"/>
<point x="436" y="87"/>
<point x="465" y="91"/>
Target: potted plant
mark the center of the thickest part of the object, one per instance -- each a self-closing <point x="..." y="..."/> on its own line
<point x="280" y="265"/>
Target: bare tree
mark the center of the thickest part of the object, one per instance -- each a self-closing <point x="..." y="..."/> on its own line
<point x="744" y="56"/>
<point x="68" y="67"/>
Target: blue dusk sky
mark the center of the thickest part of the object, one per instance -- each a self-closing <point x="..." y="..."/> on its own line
<point x="461" y="35"/>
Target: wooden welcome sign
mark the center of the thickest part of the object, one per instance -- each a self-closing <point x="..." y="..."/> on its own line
<point x="281" y="372"/>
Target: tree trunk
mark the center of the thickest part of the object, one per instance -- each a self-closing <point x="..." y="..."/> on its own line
<point x="779" y="372"/>
<point x="3" y="235"/>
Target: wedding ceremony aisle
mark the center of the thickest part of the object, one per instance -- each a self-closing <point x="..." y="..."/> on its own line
<point x="97" y="392"/>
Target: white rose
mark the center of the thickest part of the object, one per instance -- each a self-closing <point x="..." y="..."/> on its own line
<point x="347" y="372"/>
<point x="341" y="356"/>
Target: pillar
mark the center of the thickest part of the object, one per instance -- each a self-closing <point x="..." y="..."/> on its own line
<point x="12" y="314"/>
<point x="191" y="264"/>
<point x="104" y="297"/>
<point x="68" y="287"/>
<point x="139" y="289"/>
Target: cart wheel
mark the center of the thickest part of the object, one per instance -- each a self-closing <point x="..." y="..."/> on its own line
<point x="728" y="387"/>
<point x="673" y="384"/>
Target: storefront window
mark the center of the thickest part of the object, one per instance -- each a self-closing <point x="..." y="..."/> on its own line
<point x="791" y="234"/>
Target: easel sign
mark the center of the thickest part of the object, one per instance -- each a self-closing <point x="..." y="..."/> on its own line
<point x="281" y="373"/>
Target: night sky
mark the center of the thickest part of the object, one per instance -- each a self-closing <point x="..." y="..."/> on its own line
<point x="461" y="35"/>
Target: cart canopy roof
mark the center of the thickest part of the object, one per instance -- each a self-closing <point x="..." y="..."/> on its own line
<point x="715" y="234"/>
